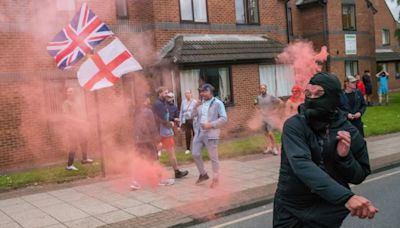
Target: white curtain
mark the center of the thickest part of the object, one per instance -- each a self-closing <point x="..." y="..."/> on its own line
<point x="189" y="79"/>
<point x="186" y="10"/>
<point x="224" y="84"/>
<point x="240" y="16"/>
<point x="200" y="10"/>
<point x="284" y="79"/>
<point x="267" y="76"/>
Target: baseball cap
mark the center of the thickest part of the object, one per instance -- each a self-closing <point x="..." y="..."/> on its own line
<point x="350" y="79"/>
<point x="170" y="94"/>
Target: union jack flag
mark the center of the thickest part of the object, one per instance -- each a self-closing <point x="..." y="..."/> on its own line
<point x="78" y="38"/>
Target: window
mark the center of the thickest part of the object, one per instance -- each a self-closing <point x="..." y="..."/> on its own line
<point x="351" y="68"/>
<point x="219" y="77"/>
<point x="397" y="76"/>
<point x="247" y="11"/>
<point x="278" y="78"/>
<point x="385" y="37"/>
<point x="193" y="10"/>
<point x="290" y="23"/>
<point x="349" y="17"/>
<point x="122" y="9"/>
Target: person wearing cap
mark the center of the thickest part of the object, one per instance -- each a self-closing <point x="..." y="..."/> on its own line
<point x="383" y="79"/>
<point x="322" y="153"/>
<point x="160" y="109"/>
<point x="352" y="103"/>
<point x="294" y="101"/>
<point x="269" y="107"/>
<point x="172" y="108"/>
<point x="209" y="116"/>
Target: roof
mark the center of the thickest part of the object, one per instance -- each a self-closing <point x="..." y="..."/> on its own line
<point x="387" y="56"/>
<point x="206" y="48"/>
<point x="394" y="9"/>
<point x="301" y="3"/>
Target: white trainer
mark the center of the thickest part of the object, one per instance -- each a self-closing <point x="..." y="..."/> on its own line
<point x="71" y="168"/>
<point x="188" y="152"/>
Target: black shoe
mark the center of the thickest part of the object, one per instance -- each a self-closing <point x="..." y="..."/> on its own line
<point x="202" y="178"/>
<point x="180" y="174"/>
<point x="214" y="183"/>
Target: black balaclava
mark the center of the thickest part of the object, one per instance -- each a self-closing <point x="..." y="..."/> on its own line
<point x="322" y="111"/>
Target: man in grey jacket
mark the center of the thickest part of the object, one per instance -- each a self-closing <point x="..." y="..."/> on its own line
<point x="209" y="116"/>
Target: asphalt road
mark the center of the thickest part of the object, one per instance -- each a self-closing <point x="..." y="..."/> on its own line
<point x="383" y="189"/>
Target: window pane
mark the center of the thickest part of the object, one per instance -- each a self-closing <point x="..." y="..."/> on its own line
<point x="189" y="79"/>
<point x="224" y="85"/>
<point x="240" y="15"/>
<point x="284" y="80"/>
<point x="200" y="10"/>
<point x="348" y="69"/>
<point x="348" y="17"/>
<point x="385" y="36"/>
<point x="267" y="76"/>
<point x="186" y="10"/>
<point x="122" y="8"/>
<point x="253" y="11"/>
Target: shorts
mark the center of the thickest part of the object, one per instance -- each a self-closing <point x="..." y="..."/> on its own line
<point x="168" y="143"/>
<point x="383" y="90"/>
<point x="267" y="127"/>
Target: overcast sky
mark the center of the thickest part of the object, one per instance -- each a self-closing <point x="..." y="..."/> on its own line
<point x="394" y="8"/>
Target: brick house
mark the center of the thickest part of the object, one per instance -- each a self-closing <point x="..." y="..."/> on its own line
<point x="387" y="44"/>
<point x="180" y="43"/>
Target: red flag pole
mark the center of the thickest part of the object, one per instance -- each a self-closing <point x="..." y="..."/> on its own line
<point x="99" y="137"/>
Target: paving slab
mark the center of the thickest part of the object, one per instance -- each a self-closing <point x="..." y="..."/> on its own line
<point x="142" y="210"/>
<point x="64" y="212"/>
<point x="33" y="218"/>
<point x="114" y="216"/>
<point x="10" y="225"/>
<point x="89" y="222"/>
<point x="93" y="206"/>
<point x="4" y="219"/>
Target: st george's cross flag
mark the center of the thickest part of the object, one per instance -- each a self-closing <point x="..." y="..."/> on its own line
<point x="78" y="38"/>
<point x="106" y="67"/>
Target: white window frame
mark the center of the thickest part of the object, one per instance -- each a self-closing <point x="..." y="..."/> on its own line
<point x="244" y="17"/>
<point x="279" y="79"/>
<point x="351" y="67"/>
<point x="385" y="37"/>
<point x="197" y="11"/>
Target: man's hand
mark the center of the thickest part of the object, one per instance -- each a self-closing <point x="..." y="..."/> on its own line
<point x="357" y="115"/>
<point x="361" y="207"/>
<point x="350" y="116"/>
<point x="206" y="126"/>
<point x="344" y="142"/>
<point x="172" y="123"/>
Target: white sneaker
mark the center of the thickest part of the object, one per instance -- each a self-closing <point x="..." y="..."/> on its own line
<point x="135" y="186"/>
<point x="167" y="182"/>
<point x="188" y="152"/>
<point x="275" y="151"/>
<point x="268" y="150"/>
<point x="87" y="161"/>
<point x="71" y="168"/>
<point x="159" y="153"/>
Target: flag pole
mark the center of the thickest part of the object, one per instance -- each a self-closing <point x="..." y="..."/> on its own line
<point x="99" y="137"/>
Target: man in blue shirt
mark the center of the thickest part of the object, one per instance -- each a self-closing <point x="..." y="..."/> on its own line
<point x="162" y="114"/>
<point x="383" y="79"/>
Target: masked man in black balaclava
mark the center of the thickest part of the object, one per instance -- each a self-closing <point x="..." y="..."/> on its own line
<point x="321" y="154"/>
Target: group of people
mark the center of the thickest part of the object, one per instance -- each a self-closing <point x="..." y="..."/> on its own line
<point x="156" y="124"/>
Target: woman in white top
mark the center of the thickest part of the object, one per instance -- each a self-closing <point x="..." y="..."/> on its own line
<point x="187" y="106"/>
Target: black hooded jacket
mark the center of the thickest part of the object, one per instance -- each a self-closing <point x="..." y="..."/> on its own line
<point x="311" y="170"/>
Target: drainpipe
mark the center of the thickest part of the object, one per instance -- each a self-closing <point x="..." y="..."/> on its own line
<point x="288" y="16"/>
<point x="323" y="4"/>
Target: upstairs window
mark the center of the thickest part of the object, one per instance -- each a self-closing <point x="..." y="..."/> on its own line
<point x="385" y="37"/>
<point x="247" y="11"/>
<point x="122" y="9"/>
<point x="193" y="11"/>
<point x="349" y="17"/>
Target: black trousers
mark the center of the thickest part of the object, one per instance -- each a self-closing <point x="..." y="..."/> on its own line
<point x="75" y="140"/>
<point x="148" y="151"/>
<point x="189" y="132"/>
<point x="321" y="214"/>
<point x="359" y="125"/>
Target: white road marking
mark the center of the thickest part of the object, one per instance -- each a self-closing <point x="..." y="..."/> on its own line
<point x="271" y="210"/>
<point x="242" y="219"/>
<point x="382" y="176"/>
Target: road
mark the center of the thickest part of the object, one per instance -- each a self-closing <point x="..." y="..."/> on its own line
<point x="383" y="189"/>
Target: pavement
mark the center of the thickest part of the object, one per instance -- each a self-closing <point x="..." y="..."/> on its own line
<point x="245" y="181"/>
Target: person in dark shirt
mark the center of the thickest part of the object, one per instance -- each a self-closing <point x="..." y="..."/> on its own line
<point x="366" y="78"/>
<point x="352" y="103"/>
<point x="322" y="153"/>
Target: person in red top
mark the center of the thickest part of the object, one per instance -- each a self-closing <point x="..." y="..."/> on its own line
<point x="294" y="101"/>
<point x="360" y="86"/>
